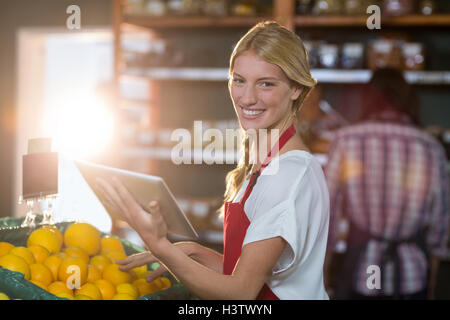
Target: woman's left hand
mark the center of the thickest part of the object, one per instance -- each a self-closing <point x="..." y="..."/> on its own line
<point x="150" y="225"/>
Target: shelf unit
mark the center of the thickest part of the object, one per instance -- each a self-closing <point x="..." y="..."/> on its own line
<point x="322" y="75"/>
<point x="298" y="20"/>
<point x="436" y="20"/>
<point x="283" y="12"/>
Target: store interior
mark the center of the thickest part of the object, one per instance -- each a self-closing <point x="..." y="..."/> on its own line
<point x="114" y="90"/>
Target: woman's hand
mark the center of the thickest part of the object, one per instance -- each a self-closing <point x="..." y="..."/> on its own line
<point x="140" y="259"/>
<point x="150" y="225"/>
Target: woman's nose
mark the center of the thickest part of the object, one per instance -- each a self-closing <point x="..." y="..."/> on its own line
<point x="248" y="97"/>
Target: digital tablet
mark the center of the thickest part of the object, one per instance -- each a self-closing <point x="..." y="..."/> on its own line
<point x="144" y="188"/>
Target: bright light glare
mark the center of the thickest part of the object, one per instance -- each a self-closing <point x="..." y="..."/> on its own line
<point x="81" y="128"/>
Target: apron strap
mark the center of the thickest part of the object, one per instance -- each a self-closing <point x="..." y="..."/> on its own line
<point x="289" y="133"/>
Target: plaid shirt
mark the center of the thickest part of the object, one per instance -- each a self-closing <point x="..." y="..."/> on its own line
<point x="390" y="178"/>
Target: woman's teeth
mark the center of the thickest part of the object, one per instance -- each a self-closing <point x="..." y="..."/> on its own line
<point x="252" y="112"/>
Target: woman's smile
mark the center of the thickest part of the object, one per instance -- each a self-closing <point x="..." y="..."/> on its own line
<point x="251" y="114"/>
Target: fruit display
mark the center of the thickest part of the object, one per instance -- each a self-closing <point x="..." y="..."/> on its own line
<point x="78" y="263"/>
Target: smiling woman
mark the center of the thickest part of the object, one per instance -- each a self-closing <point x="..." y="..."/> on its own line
<point x="275" y="219"/>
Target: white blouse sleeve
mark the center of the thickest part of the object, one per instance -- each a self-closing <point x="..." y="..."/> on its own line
<point x="288" y="205"/>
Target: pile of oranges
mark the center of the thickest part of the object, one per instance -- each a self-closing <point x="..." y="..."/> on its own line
<point x="79" y="265"/>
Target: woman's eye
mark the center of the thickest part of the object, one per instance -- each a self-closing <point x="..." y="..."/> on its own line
<point x="267" y="84"/>
<point x="235" y="80"/>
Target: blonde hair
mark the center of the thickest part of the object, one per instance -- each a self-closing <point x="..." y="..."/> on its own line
<point x="277" y="45"/>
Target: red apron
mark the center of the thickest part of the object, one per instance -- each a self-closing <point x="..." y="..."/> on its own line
<point x="236" y="221"/>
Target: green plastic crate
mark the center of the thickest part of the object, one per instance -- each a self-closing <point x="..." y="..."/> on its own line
<point x="16" y="287"/>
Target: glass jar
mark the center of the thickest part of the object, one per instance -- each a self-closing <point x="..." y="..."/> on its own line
<point x="413" y="56"/>
<point x="329" y="56"/>
<point x="330" y="7"/>
<point x="384" y="53"/>
<point x="356" y="7"/>
<point x="184" y="7"/>
<point x="244" y="8"/>
<point x="427" y="7"/>
<point x="312" y="48"/>
<point x="398" y="7"/>
<point x="215" y="7"/>
<point x="304" y="6"/>
<point x="155" y="8"/>
<point x="352" y="56"/>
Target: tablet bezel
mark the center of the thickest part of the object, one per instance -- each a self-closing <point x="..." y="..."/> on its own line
<point x="137" y="184"/>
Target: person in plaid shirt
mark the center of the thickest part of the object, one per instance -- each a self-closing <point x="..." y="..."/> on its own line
<point x="389" y="179"/>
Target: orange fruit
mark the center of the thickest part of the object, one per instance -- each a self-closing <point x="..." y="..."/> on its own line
<point x="128" y="288"/>
<point x="106" y="288"/>
<point x="94" y="274"/>
<point x="46" y="238"/>
<point x="114" y="275"/>
<point x="90" y="290"/>
<point x="114" y="255"/>
<point x="70" y="267"/>
<point x="24" y="253"/>
<point x="39" y="253"/>
<point x="83" y="235"/>
<point x="140" y="272"/>
<point x="100" y="262"/>
<point x="56" y="231"/>
<point x="122" y="296"/>
<point x="76" y="252"/>
<point x="82" y="297"/>
<point x="109" y="243"/>
<point x="65" y="295"/>
<point x="163" y="283"/>
<point x="39" y="284"/>
<point x="4" y="296"/>
<point x="53" y="262"/>
<point x="41" y="273"/>
<point x="145" y="287"/>
<point x="15" y="263"/>
<point x="58" y="287"/>
<point x="5" y="247"/>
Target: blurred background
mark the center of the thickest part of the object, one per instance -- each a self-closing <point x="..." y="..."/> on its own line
<point x="114" y="90"/>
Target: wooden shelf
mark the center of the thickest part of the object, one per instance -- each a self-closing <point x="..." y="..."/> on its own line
<point x="435" y="20"/>
<point x="191" y="21"/>
<point x="148" y="21"/>
<point x="322" y="75"/>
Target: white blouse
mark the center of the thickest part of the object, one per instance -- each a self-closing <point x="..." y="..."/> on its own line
<point x="290" y="200"/>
